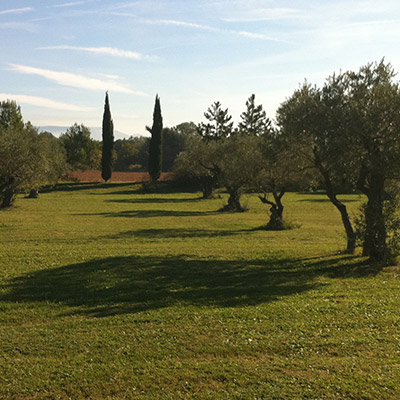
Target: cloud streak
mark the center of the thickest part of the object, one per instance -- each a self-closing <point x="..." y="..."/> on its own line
<point x="74" y="80"/>
<point x="43" y="102"/>
<point x="267" y="14"/>
<point x="70" y="4"/>
<point x="251" y="35"/>
<point x="110" y="51"/>
<point x="184" y="24"/>
<point x="16" y="10"/>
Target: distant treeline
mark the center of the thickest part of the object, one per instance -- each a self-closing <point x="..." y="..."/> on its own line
<point x="83" y="153"/>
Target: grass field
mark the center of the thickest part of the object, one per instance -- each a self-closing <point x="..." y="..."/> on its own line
<point x="108" y="293"/>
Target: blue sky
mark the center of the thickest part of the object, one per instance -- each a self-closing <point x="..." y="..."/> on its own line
<point x="59" y="57"/>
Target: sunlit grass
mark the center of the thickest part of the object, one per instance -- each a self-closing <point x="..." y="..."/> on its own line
<point x="107" y="292"/>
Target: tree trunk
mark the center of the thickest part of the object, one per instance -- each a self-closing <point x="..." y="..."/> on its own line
<point x="330" y="192"/>
<point x="8" y="197"/>
<point x="207" y="188"/>
<point x="350" y="234"/>
<point x="375" y="246"/>
<point x="209" y="182"/>
<point x="8" y="193"/>
<point x="278" y="202"/>
<point x="275" y="222"/>
<point x="233" y="201"/>
<point x="33" y="194"/>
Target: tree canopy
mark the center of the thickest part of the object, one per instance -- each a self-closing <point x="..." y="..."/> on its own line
<point x="83" y="153"/>
<point x="349" y="131"/>
<point x="254" y="120"/>
<point x="219" y="125"/>
<point x="27" y="159"/>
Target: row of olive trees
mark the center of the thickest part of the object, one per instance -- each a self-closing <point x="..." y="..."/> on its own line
<point x="348" y="132"/>
<point x="251" y="156"/>
<point x="28" y="159"/>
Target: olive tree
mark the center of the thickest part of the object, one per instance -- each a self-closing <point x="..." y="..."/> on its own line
<point x="28" y="160"/>
<point x="374" y="103"/>
<point x="200" y="164"/>
<point x="314" y="123"/>
<point x="239" y="159"/>
<point x="277" y="172"/>
<point x="201" y="160"/>
<point x="350" y="132"/>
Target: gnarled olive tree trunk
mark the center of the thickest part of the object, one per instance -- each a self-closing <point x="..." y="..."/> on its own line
<point x="234" y="200"/>
<point x="375" y="246"/>
<point x="275" y="222"/>
<point x="8" y="193"/>
<point x="332" y="195"/>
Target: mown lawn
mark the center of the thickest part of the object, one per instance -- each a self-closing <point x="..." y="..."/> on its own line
<point x="109" y="293"/>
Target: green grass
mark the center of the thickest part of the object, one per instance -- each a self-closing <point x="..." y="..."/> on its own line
<point x="107" y="293"/>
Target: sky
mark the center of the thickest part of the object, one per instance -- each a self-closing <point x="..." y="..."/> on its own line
<point x="59" y="57"/>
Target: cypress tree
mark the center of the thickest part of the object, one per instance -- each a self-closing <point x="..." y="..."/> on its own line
<point x="108" y="142"/>
<point x="155" y="148"/>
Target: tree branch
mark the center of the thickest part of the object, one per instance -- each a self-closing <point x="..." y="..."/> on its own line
<point x="266" y="201"/>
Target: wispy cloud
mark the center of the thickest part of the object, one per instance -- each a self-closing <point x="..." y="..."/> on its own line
<point x="43" y="102"/>
<point x="184" y="24"/>
<point x="70" y="4"/>
<point x="119" y="14"/>
<point x="111" y="51"/>
<point x="266" y="14"/>
<point x="74" y="80"/>
<point x="251" y="35"/>
<point x="16" y="10"/>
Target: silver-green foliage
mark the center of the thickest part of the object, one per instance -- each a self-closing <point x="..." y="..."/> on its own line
<point x="27" y="159"/>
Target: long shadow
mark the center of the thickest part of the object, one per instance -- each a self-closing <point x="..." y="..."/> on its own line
<point x="77" y="186"/>
<point x="164" y="187"/>
<point x="346" y="266"/>
<point x="174" y="233"/>
<point x="147" y="200"/>
<point x="149" y="214"/>
<point x="120" y="285"/>
<point x="326" y="200"/>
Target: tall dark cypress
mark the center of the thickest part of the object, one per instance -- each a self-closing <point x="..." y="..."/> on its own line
<point x="108" y="142"/>
<point x="155" y="148"/>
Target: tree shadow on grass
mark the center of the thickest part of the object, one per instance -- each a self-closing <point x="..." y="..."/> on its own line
<point x="149" y="200"/>
<point x="78" y="186"/>
<point x="149" y="214"/>
<point x="326" y="200"/>
<point x="120" y="285"/>
<point x="163" y="187"/>
<point x="346" y="266"/>
<point x="169" y="233"/>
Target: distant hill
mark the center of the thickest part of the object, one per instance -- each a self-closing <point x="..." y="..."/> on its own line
<point x="95" y="132"/>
